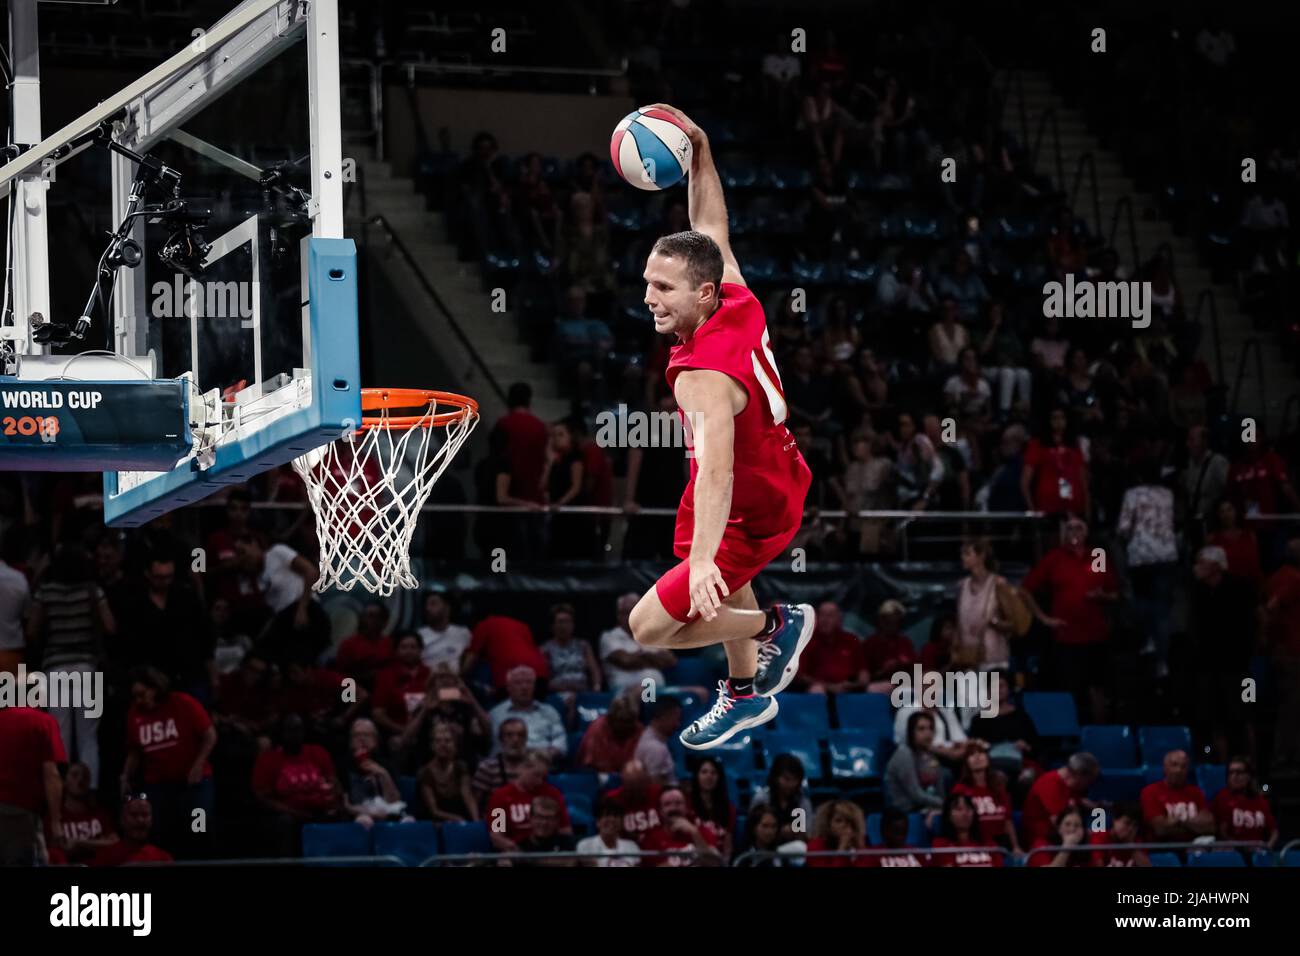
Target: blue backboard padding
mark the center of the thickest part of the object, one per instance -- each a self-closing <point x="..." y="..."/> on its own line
<point x="335" y="406"/>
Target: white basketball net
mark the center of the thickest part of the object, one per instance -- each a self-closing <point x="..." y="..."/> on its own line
<point x="366" y="505"/>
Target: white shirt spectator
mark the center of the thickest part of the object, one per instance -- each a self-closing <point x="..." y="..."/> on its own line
<point x="652" y="750"/>
<point x="611" y="642"/>
<point x="1146" y="521"/>
<point x="947" y="725"/>
<point x="281" y="584"/>
<point x="969" y="398"/>
<point x="445" y="646"/>
<point x="609" y="855"/>
<point x="15" y="596"/>
<point x="545" y="729"/>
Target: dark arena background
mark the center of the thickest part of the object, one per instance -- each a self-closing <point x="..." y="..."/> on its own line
<point x="1031" y="285"/>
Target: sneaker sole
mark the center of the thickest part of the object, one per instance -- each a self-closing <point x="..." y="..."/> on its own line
<point x="792" y="666"/>
<point x="768" y="713"/>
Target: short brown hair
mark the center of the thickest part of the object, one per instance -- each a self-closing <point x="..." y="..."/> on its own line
<point x="702" y="255"/>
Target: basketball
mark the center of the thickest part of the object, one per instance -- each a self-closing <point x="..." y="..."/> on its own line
<point x="650" y="150"/>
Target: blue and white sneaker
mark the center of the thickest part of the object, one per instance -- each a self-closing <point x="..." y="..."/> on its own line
<point x="778" y="656"/>
<point x="728" y="717"/>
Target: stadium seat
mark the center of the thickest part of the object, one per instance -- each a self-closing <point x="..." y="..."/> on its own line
<point x="579" y="783"/>
<point x="561" y="708"/>
<point x="916" y="835"/>
<point x="412" y="843"/>
<point x="1211" y="778"/>
<point x="1216" y="858"/>
<point x="574" y="737"/>
<point x="465" y="838"/>
<point x="590" y="706"/>
<point x="1158" y="741"/>
<point x="1151" y="774"/>
<point x="335" y="839"/>
<point x="737" y="756"/>
<point x="409" y="789"/>
<point x="1053" y="713"/>
<point x="797" y="743"/>
<point x="804" y="712"/>
<point x="1116" y="785"/>
<point x="852" y="756"/>
<point x="1263" y="858"/>
<point x="1291" y="857"/>
<point x="694" y="671"/>
<point x="1111" y="744"/>
<point x="864" y="711"/>
<point x="1164" y="859"/>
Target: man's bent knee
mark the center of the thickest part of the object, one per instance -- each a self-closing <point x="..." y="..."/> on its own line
<point x="651" y="625"/>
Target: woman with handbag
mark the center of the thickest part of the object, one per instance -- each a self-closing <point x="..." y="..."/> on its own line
<point x="987" y="613"/>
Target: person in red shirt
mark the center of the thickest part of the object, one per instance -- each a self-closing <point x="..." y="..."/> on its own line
<point x="1055" y="476"/>
<point x="169" y="737"/>
<point x="986" y="786"/>
<point x="889" y="649"/>
<point x="639" y="798"/>
<point x="244" y="698"/>
<point x="835" y="661"/>
<point x="1282" y="628"/>
<point x="1125" y="827"/>
<point x="505" y="644"/>
<point x="227" y="580"/>
<point x="937" y="652"/>
<point x="369" y="650"/>
<point x="400" y="687"/>
<point x="134" y="847"/>
<point x="838" y="825"/>
<point x="894" y="825"/>
<point x="1053" y="792"/>
<point x="1238" y="542"/>
<point x="1173" y="810"/>
<point x="316" y="695"/>
<point x="960" y="828"/>
<point x="296" y="784"/>
<point x="509" y="807"/>
<point x="1081" y="583"/>
<point x="710" y="805"/>
<point x="31" y="750"/>
<point x="678" y="830"/>
<point x="87" y="826"/>
<point x="1258" y="483"/>
<point x="527" y="436"/>
<point x="610" y="741"/>
<point x="1240" y="811"/>
<point x="1067" y="830"/>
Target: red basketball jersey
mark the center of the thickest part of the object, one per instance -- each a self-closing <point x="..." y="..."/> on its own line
<point x="771" y="477"/>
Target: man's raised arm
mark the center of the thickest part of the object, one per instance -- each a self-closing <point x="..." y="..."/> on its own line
<point x="704" y="202"/>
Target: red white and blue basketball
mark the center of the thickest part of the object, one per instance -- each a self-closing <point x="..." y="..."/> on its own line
<point x="650" y="149"/>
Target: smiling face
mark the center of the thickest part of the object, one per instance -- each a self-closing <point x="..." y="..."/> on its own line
<point x="677" y="307"/>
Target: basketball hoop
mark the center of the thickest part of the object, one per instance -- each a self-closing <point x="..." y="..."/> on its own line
<point x="367" y="488"/>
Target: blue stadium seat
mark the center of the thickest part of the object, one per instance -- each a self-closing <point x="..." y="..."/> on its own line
<point x="579" y="783"/>
<point x="798" y="743"/>
<point x="412" y="843"/>
<point x="1158" y="741"/>
<point x="1111" y="744"/>
<point x="465" y="838"/>
<point x="737" y="756"/>
<point x="805" y="712"/>
<point x="1164" y="859"/>
<point x="1211" y="778"/>
<point x="1052" y="713"/>
<point x="335" y="839"/>
<point x="853" y="757"/>
<point x="1263" y="858"/>
<point x="1115" y="785"/>
<point x="916" y="835"/>
<point x="561" y="708"/>
<point x="1291" y="857"/>
<point x="1152" y="773"/>
<point x="574" y="737"/>
<point x="409" y="790"/>
<point x="692" y="671"/>
<point x="1216" y="858"/>
<point x="591" y="705"/>
<point x="864" y="711"/>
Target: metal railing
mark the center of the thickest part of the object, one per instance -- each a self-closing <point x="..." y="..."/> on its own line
<point x="1151" y="847"/>
<point x="375" y="98"/>
<point x="693" y="855"/>
<point x="745" y="858"/>
<point x="395" y="241"/>
<point x="296" y="861"/>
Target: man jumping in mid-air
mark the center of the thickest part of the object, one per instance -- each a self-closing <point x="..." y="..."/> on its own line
<point x="744" y="502"/>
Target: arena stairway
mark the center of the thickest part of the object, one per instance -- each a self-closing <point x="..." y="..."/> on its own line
<point x="1235" y="327"/>
<point x="494" y="336"/>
